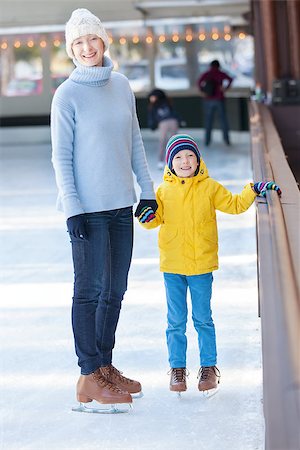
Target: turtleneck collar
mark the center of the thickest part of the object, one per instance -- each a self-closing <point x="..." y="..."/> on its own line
<point x="92" y="76"/>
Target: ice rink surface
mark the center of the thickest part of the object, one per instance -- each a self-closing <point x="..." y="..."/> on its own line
<point x="38" y="368"/>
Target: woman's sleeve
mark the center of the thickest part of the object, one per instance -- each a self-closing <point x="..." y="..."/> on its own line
<point x="62" y="137"/>
<point x="139" y="162"/>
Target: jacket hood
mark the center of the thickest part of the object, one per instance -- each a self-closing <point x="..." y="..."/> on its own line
<point x="201" y="175"/>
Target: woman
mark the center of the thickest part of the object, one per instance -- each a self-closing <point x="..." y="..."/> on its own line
<point x="97" y="147"/>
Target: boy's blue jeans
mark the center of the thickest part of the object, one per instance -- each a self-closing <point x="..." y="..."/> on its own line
<point x="101" y="265"/>
<point x="200" y="287"/>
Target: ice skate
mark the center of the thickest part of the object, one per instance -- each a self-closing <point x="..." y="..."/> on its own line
<point x="96" y="387"/>
<point x="209" y="379"/>
<point x="113" y="375"/>
<point x="178" y="380"/>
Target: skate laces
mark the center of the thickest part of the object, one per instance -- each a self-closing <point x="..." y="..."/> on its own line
<point x="104" y="382"/>
<point x="179" y="374"/>
<point x="206" y="372"/>
<point x="118" y="374"/>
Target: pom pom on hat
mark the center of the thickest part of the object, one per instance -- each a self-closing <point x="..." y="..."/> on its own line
<point x="180" y="142"/>
<point x="83" y="22"/>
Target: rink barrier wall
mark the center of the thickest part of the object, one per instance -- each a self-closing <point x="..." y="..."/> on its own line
<point x="278" y="282"/>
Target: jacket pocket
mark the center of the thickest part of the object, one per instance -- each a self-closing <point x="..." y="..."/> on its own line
<point x="168" y="238"/>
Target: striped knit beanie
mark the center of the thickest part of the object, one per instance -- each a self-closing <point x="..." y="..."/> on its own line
<point x="180" y="142"/>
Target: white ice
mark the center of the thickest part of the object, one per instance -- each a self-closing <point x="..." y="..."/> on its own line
<point x="38" y="364"/>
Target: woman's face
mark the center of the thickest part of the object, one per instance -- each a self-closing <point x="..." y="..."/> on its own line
<point x="88" y="50"/>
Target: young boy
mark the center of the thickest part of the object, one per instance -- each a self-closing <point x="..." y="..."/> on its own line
<point x="188" y="241"/>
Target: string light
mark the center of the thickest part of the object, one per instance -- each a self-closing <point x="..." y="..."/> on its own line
<point x="149" y="39"/>
<point x="189" y="36"/>
<point x="175" y="37"/>
<point x="215" y="34"/>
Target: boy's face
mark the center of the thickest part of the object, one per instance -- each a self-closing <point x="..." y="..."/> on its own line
<point x="185" y="164"/>
<point x="88" y="50"/>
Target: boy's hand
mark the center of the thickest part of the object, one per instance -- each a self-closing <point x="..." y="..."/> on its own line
<point x="145" y="203"/>
<point x="263" y="186"/>
<point x="147" y="215"/>
<point x="77" y="226"/>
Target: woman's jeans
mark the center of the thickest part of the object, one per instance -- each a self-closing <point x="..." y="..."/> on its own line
<point x="200" y="287"/>
<point x="212" y="106"/>
<point x="101" y="265"/>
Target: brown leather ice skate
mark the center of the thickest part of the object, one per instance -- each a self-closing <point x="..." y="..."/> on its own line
<point x="96" y="387"/>
<point x="178" y="379"/>
<point x="209" y="378"/>
<point x="113" y="375"/>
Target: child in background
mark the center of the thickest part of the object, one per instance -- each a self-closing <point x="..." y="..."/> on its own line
<point x="161" y="115"/>
<point x="188" y="241"/>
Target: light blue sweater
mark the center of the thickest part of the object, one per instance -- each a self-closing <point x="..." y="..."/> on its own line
<point x="96" y="142"/>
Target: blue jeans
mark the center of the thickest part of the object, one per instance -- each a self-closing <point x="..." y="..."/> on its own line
<point x="212" y="106"/>
<point x="200" y="287"/>
<point x="101" y="265"/>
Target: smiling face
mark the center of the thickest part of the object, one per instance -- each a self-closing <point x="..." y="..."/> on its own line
<point x="185" y="164"/>
<point x="88" y="50"/>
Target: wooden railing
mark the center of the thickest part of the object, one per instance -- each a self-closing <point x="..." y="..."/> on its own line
<point x="278" y="245"/>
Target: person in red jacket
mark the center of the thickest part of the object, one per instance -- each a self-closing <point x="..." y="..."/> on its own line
<point x="213" y="84"/>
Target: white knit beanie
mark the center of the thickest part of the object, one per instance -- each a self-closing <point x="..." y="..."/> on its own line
<point x="83" y="22"/>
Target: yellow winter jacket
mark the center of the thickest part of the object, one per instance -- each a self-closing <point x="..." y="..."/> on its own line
<point x="186" y="214"/>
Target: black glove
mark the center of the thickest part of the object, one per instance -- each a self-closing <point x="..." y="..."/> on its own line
<point x="145" y="203"/>
<point x="77" y="226"/>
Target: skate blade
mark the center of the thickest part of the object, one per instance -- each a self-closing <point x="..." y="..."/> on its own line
<point x="137" y="395"/>
<point x="210" y="393"/>
<point x="109" y="409"/>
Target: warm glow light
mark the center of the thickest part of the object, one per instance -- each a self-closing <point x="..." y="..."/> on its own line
<point x="149" y="39"/>
<point x="56" y="43"/>
<point x="215" y="36"/>
<point x="175" y="38"/>
<point x="135" y="39"/>
<point x="189" y="37"/>
<point x="43" y="44"/>
<point x="17" y="44"/>
<point x="242" y="35"/>
<point x="227" y="37"/>
<point x="4" y="45"/>
<point x="162" y="38"/>
<point x="202" y="37"/>
<point x="30" y="44"/>
<point x="122" y="40"/>
<point x="110" y="40"/>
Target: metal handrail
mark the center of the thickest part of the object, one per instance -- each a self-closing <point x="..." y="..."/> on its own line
<point x="278" y="259"/>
